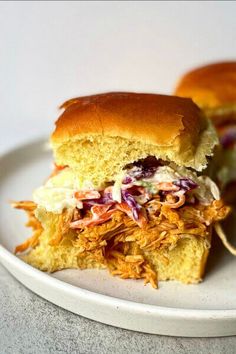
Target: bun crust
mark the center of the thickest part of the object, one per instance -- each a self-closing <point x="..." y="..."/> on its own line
<point x="154" y="119"/>
<point x="211" y="86"/>
<point x="99" y="135"/>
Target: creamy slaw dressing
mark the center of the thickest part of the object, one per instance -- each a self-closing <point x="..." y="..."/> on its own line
<point x="59" y="191"/>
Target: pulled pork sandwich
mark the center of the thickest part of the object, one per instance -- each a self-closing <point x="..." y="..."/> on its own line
<point x="127" y="193"/>
<point x="213" y="88"/>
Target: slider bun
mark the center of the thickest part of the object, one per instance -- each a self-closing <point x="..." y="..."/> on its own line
<point x="98" y="135"/>
<point x="213" y="88"/>
<point x="186" y="261"/>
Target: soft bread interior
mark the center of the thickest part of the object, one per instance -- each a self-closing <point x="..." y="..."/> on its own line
<point x="100" y="159"/>
<point x="186" y="262"/>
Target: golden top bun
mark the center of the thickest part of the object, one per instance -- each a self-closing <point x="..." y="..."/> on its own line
<point x="211" y="87"/>
<point x="98" y="135"/>
<point x="155" y="119"/>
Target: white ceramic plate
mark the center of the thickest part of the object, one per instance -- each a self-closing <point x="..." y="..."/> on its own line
<point x="207" y="309"/>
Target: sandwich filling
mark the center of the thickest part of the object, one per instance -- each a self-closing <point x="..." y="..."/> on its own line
<point x="227" y="165"/>
<point x="142" y="182"/>
<point x="150" y="206"/>
<point x="225" y="124"/>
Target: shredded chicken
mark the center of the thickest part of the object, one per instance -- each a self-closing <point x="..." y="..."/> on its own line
<point x="119" y="243"/>
<point x="34" y="223"/>
<point x="63" y="226"/>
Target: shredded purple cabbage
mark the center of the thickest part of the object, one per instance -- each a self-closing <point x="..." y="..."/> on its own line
<point x="129" y="199"/>
<point x="228" y="139"/>
<point x="150" y="161"/>
<point x="106" y="198"/>
<point x="127" y="180"/>
<point x="143" y="172"/>
<point x="185" y="184"/>
<point x="144" y="168"/>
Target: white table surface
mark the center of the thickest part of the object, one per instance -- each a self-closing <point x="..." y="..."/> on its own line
<point x="57" y="50"/>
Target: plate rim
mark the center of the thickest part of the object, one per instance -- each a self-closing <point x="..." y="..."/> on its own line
<point x="88" y="295"/>
<point x="176" y="312"/>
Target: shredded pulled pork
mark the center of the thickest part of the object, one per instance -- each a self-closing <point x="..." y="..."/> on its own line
<point x="119" y="242"/>
<point x="29" y="207"/>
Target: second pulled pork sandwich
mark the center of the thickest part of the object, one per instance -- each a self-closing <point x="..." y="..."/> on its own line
<point x="213" y="88"/>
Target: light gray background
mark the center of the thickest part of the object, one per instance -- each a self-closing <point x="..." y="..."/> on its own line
<point x="51" y="51"/>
